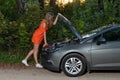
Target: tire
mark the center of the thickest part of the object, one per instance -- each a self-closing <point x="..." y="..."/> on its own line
<point x="73" y="65"/>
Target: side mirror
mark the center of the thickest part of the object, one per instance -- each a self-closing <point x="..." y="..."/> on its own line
<point x="101" y="40"/>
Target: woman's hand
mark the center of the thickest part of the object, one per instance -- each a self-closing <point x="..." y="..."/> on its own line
<point x="46" y="44"/>
<point x="59" y="14"/>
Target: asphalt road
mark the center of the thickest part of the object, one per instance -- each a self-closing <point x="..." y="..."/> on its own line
<point x="43" y="74"/>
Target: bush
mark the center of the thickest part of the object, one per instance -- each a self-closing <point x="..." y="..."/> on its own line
<point x="16" y="31"/>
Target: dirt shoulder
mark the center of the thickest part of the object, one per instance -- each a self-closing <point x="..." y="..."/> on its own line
<point x="14" y="66"/>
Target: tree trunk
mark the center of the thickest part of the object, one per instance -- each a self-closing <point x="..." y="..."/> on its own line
<point x="19" y="9"/>
<point x="52" y="3"/>
<point x="117" y="7"/>
<point x="24" y="5"/>
<point x="21" y="6"/>
<point x="100" y="5"/>
<point x="41" y="4"/>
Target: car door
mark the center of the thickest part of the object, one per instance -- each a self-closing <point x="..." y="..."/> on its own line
<point x="106" y="55"/>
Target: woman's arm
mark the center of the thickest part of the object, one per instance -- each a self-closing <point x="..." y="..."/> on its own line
<point x="56" y="19"/>
<point x="45" y="40"/>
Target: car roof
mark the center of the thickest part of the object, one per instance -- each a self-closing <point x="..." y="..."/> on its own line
<point x="102" y="29"/>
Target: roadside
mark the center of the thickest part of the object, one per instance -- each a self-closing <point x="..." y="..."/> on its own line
<point x="14" y="66"/>
<point x="43" y="74"/>
<point x="20" y="72"/>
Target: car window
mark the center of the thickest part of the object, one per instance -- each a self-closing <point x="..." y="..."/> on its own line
<point x="112" y="35"/>
<point x="93" y="32"/>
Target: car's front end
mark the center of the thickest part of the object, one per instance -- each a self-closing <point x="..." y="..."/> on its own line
<point x="71" y="56"/>
<point x="51" y="56"/>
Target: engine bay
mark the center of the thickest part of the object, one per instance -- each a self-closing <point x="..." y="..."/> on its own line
<point x="52" y="47"/>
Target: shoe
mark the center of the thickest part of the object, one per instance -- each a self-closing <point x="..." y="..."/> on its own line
<point x="38" y="66"/>
<point x="25" y="62"/>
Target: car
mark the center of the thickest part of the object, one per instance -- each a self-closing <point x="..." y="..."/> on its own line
<point x="97" y="50"/>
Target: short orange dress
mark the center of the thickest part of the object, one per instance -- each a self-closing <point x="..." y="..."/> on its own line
<point x="38" y="35"/>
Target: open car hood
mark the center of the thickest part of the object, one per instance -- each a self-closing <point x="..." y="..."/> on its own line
<point x="69" y="24"/>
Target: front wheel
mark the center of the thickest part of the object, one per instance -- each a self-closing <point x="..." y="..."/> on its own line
<point x="73" y="65"/>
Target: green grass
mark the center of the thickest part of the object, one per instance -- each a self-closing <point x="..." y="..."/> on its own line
<point x="11" y="57"/>
<point x="15" y="57"/>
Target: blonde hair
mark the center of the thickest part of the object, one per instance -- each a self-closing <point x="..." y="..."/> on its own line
<point x="49" y="17"/>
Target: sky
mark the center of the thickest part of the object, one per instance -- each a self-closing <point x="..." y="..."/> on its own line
<point x="64" y="2"/>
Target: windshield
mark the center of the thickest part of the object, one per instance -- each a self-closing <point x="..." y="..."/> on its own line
<point x="89" y="34"/>
<point x="93" y="32"/>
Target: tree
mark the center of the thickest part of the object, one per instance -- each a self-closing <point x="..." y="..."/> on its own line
<point x="52" y="3"/>
<point x="100" y="5"/>
<point x="21" y="6"/>
<point x="41" y="3"/>
<point x="116" y="5"/>
<point x="24" y="5"/>
<point x="118" y="9"/>
<point x="111" y="1"/>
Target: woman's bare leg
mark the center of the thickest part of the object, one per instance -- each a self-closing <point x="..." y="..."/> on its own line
<point x="29" y="54"/>
<point x="26" y="58"/>
<point x="35" y="53"/>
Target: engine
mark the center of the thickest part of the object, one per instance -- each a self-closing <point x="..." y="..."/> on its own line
<point x="53" y="47"/>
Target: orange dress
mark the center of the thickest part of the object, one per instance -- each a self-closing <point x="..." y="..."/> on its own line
<point x="38" y="35"/>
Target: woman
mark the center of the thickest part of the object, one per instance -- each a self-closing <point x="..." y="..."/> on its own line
<point x="40" y="35"/>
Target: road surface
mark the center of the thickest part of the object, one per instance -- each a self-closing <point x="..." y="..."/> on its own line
<point x="43" y="74"/>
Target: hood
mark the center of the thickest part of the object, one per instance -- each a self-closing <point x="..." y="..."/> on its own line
<point x="69" y="24"/>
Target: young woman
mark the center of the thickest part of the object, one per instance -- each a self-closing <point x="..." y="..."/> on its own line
<point x="40" y="35"/>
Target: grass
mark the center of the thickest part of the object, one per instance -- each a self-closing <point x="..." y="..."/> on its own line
<point x="11" y="57"/>
<point x="15" y="57"/>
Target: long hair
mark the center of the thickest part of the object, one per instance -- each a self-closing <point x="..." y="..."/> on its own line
<point x="49" y="17"/>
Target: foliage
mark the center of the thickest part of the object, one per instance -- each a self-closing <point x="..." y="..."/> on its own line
<point x="16" y="31"/>
<point x="12" y="57"/>
<point x="86" y="16"/>
<point x="8" y="8"/>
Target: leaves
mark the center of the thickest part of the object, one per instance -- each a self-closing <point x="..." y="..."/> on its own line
<point x="16" y="31"/>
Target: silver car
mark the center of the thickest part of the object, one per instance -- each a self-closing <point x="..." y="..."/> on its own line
<point x="98" y="50"/>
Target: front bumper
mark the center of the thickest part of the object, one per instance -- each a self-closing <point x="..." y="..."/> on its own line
<point x="49" y="61"/>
